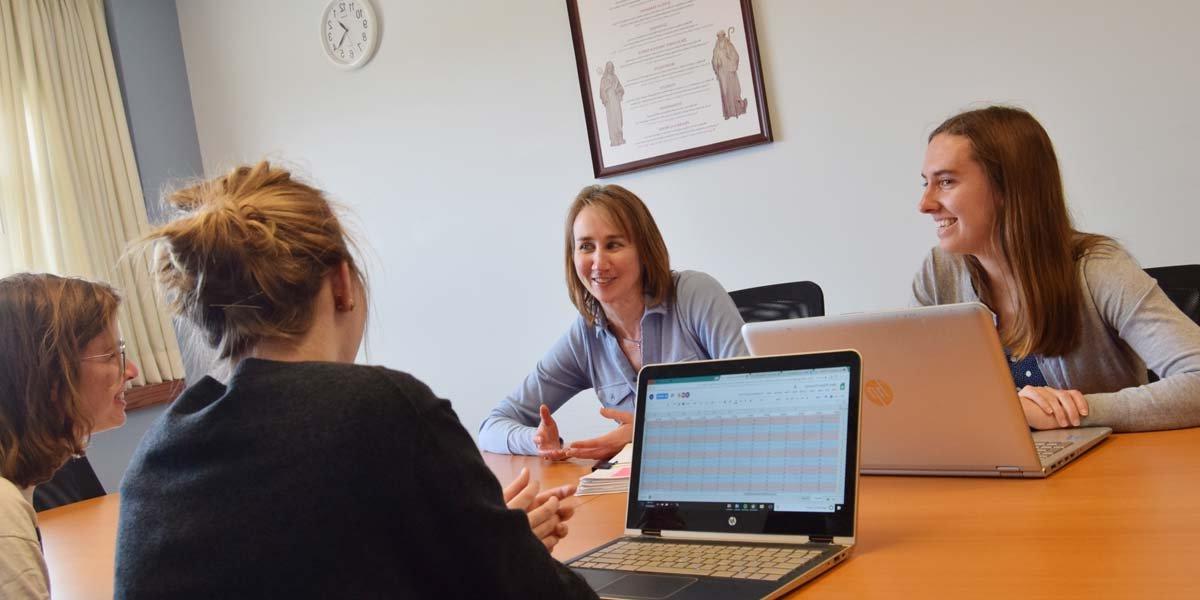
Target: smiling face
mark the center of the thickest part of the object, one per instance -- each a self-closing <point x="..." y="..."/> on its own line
<point x="606" y="260"/>
<point x="101" y="380"/>
<point x="959" y="196"/>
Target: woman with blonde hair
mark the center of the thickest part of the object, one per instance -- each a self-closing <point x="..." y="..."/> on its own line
<point x="63" y="375"/>
<point x="633" y="310"/>
<point x="306" y="475"/>
<point x="1078" y="317"/>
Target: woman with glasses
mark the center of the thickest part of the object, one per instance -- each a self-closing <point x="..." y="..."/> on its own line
<point x="63" y="375"/>
<point x="306" y="475"/>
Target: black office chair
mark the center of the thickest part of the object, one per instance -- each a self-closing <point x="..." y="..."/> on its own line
<point x="1182" y="285"/>
<point x="780" y="301"/>
<point x="75" y="481"/>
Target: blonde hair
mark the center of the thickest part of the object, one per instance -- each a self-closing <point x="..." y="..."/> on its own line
<point x="1034" y="232"/>
<point x="45" y="323"/>
<point x="249" y="256"/>
<point x="630" y="214"/>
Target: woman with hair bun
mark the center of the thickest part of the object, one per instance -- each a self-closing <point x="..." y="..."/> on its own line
<point x="306" y="475"/>
<point x="63" y="377"/>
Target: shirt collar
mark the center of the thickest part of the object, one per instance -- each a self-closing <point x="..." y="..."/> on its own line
<point x="602" y="321"/>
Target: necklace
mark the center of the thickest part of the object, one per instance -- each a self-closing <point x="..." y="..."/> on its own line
<point x="637" y="343"/>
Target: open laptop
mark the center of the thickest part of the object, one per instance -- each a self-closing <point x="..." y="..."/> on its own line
<point x="744" y="483"/>
<point x="940" y="395"/>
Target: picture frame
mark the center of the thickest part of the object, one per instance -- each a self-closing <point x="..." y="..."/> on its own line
<point x="667" y="80"/>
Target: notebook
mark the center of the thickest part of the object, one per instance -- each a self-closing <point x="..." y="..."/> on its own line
<point x="940" y="396"/>
<point x="744" y="481"/>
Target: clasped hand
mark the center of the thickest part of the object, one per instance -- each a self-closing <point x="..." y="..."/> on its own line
<point x="550" y="446"/>
<point x="548" y="511"/>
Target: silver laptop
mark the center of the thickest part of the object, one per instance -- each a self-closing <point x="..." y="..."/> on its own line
<point x="744" y="481"/>
<point x="940" y="398"/>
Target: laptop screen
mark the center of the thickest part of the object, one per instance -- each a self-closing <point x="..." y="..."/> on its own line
<point x="748" y="446"/>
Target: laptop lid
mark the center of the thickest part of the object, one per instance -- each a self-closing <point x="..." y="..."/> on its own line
<point x="939" y="394"/>
<point x="748" y="448"/>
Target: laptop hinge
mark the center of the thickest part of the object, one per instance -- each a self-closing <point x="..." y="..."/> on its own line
<point x="653" y="532"/>
<point x="820" y="539"/>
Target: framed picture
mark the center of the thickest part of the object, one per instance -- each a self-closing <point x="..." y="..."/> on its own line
<point x="667" y="80"/>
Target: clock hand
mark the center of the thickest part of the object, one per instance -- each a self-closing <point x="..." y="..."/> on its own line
<point x="343" y="40"/>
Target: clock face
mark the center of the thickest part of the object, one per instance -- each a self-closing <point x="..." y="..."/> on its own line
<point x="349" y="32"/>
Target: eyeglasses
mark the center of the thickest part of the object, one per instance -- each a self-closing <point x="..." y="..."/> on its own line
<point x="108" y="356"/>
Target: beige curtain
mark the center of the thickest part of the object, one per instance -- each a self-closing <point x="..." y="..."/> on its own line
<point x="70" y="198"/>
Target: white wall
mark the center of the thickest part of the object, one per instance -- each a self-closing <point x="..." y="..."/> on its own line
<point x="461" y="144"/>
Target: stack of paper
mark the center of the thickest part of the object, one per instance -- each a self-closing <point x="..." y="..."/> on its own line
<point x="605" y="481"/>
<point x="613" y="480"/>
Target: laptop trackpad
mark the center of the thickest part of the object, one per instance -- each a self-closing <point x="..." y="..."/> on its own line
<point x="649" y="587"/>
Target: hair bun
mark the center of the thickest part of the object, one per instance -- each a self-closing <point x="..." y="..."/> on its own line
<point x="249" y="255"/>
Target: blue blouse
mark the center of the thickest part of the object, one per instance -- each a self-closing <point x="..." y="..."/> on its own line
<point x="1025" y="371"/>
<point x="700" y="323"/>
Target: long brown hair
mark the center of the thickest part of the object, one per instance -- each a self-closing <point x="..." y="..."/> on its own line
<point x="1034" y="233"/>
<point x="631" y="216"/>
<point x="45" y="323"/>
<point x="249" y="255"/>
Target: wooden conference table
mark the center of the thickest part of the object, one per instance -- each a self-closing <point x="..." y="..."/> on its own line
<point x="1123" y="521"/>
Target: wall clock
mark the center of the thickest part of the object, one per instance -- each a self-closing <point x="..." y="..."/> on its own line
<point x="349" y="32"/>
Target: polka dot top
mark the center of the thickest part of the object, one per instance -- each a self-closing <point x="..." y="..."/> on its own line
<point x="1025" y="372"/>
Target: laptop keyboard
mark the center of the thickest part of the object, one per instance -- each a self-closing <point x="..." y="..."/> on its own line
<point x="767" y="563"/>
<point x="1047" y="449"/>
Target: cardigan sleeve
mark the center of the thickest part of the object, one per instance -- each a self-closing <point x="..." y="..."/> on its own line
<point x="1142" y="315"/>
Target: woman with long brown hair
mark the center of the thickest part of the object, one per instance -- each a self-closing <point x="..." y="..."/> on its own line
<point x="1079" y="319"/>
<point x="63" y="374"/>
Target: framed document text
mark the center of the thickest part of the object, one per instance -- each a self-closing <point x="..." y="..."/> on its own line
<point x="667" y="80"/>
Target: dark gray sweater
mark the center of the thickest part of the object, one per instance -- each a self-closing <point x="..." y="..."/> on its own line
<point x="321" y="480"/>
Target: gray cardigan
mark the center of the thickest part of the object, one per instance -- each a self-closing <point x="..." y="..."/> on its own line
<point x="1128" y="324"/>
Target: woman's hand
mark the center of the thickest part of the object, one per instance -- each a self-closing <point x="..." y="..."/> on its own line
<point x="1050" y="408"/>
<point x="547" y="438"/>
<point x="548" y="511"/>
<point x="609" y="444"/>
